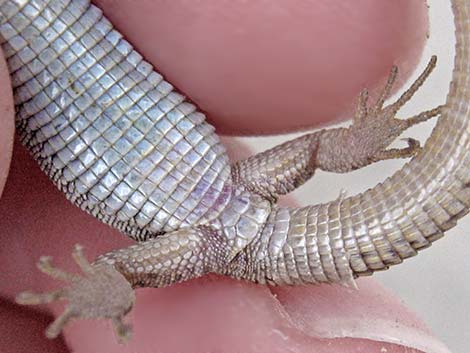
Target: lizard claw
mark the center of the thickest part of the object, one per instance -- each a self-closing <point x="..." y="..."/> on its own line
<point x="412" y="150"/>
<point x="102" y="292"/>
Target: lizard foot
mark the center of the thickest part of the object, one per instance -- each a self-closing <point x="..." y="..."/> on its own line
<point x="102" y="292"/>
<point x="376" y="127"/>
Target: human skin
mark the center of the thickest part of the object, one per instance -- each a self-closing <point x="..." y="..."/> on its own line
<point x="223" y="55"/>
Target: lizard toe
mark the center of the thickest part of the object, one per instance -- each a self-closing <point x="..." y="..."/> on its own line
<point x="413" y="148"/>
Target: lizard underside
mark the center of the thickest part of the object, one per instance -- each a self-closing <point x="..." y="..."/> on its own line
<point x="126" y="147"/>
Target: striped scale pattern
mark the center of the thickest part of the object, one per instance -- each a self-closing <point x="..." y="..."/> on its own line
<point x="109" y="130"/>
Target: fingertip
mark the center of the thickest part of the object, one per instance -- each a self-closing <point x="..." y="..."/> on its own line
<point x="268" y="67"/>
<point x="222" y="315"/>
<point x="6" y="123"/>
<point x="208" y="314"/>
<point x="22" y="330"/>
<point x="369" y="313"/>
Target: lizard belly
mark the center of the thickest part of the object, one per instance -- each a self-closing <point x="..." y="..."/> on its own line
<point x="111" y="133"/>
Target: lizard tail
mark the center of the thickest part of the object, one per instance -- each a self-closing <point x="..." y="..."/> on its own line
<point x="358" y="235"/>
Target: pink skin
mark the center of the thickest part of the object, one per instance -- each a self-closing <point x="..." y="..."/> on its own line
<point x="6" y="123"/>
<point x="248" y="90"/>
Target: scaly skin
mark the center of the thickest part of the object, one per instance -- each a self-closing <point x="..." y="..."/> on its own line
<point x="124" y="146"/>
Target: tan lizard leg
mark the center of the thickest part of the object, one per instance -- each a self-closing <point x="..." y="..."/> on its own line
<point x="106" y="288"/>
<point x="283" y="168"/>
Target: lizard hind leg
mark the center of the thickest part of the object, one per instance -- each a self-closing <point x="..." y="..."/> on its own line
<point x="101" y="292"/>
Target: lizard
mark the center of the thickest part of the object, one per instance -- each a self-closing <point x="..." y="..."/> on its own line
<point x="126" y="147"/>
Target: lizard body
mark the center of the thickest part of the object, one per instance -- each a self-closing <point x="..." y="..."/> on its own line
<point x="123" y="145"/>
